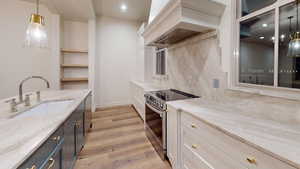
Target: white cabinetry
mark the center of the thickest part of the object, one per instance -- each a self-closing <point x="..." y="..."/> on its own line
<point x="172" y="143"/>
<point x="203" y="146"/>
<point x="195" y="144"/>
<point x="138" y="99"/>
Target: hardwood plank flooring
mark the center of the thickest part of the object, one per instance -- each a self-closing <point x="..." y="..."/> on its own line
<point x="118" y="141"/>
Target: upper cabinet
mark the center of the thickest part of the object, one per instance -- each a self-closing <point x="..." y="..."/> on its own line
<point x="182" y="19"/>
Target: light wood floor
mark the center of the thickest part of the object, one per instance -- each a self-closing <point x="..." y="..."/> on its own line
<point x="118" y="141"/>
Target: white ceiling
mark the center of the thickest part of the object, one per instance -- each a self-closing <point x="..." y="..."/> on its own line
<point x="138" y="10"/>
<point x="79" y="10"/>
<point x="75" y="9"/>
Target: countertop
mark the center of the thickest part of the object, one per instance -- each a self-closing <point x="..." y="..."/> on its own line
<point x="280" y="140"/>
<point x="21" y="136"/>
<point x="148" y="86"/>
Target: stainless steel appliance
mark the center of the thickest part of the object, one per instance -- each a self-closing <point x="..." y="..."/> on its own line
<point x="156" y="116"/>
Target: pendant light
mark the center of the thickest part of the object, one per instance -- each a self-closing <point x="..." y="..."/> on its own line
<point x="294" y="44"/>
<point x="36" y="34"/>
<point x="290" y="34"/>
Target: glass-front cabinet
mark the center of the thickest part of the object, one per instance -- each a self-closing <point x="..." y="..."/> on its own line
<point x="269" y="43"/>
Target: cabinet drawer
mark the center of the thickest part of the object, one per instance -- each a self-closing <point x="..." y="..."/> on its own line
<point x="237" y="150"/>
<point x="192" y="161"/>
<point x="206" y="155"/>
<point x="40" y="156"/>
<point x="55" y="160"/>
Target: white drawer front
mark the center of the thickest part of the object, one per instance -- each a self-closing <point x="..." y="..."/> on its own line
<point x="209" y="155"/>
<point x="191" y="160"/>
<point x="241" y="152"/>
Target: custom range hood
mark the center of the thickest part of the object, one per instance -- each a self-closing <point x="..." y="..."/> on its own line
<point x="182" y="19"/>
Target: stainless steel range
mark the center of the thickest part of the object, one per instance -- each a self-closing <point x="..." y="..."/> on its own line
<point x="156" y="116"/>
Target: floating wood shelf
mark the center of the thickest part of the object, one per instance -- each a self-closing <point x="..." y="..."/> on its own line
<point x="74" y="66"/>
<point x="73" y="51"/>
<point x="83" y="79"/>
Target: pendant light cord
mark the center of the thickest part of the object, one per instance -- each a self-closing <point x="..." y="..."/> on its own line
<point x="37" y="6"/>
<point x="290" y="26"/>
<point x="297" y="15"/>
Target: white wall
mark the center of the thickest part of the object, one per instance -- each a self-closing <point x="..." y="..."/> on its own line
<point x="18" y="62"/>
<point x="115" y="60"/>
<point x="75" y="35"/>
<point x="92" y="59"/>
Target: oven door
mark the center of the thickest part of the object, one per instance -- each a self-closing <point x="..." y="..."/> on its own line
<point x="156" y="129"/>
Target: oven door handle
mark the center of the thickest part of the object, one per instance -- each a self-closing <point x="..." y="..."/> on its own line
<point x="155" y="110"/>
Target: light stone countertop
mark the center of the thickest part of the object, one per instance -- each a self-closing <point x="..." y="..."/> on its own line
<point x="278" y="139"/>
<point x="23" y="135"/>
<point x="148" y="86"/>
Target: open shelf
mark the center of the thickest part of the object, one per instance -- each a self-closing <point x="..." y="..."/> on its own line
<point x="73" y="51"/>
<point x="81" y="79"/>
<point x="74" y="66"/>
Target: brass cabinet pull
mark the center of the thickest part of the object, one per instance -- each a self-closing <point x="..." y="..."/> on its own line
<point x="57" y="138"/>
<point x="52" y="162"/>
<point x="251" y="160"/>
<point x="193" y="126"/>
<point x="33" y="167"/>
<point x="194" y="146"/>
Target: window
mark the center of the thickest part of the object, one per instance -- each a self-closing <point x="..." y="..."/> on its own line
<point x="257" y="50"/>
<point x="264" y="58"/>
<point x="288" y="67"/>
<point x="160" y="61"/>
<point x="249" y="6"/>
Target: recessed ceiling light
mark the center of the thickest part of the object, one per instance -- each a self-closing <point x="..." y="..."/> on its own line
<point x="123" y="7"/>
<point x="264" y="25"/>
<point x="261" y="37"/>
<point x="282" y="36"/>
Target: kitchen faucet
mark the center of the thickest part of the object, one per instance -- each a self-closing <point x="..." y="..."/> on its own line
<point x="21" y="100"/>
<point x="13" y="103"/>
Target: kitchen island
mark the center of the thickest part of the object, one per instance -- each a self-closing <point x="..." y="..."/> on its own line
<point x="41" y="136"/>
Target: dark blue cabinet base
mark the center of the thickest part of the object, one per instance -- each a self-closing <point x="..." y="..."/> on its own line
<point x="62" y="148"/>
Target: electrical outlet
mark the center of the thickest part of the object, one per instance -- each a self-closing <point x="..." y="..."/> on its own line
<point x="216" y="83"/>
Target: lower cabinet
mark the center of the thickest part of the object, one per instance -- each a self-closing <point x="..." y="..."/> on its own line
<point x="74" y="137"/>
<point x="193" y="144"/>
<point x="172" y="143"/>
<point x="55" y="161"/>
<point x="138" y="99"/>
<point x="62" y="148"/>
<point x="69" y="149"/>
<point x="79" y="131"/>
<point x="45" y="154"/>
<point x="203" y="146"/>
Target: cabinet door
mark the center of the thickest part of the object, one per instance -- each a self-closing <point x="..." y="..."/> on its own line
<point x="79" y="130"/>
<point x="55" y="162"/>
<point x="172" y="136"/>
<point x="88" y="115"/>
<point x="69" y="150"/>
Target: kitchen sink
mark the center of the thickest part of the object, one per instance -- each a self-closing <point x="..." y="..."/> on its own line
<point x="46" y="107"/>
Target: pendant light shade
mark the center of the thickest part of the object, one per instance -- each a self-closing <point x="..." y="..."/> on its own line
<point x="294" y="44"/>
<point x="36" y="33"/>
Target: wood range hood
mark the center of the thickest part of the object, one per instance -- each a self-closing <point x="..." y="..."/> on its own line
<point x="182" y="19"/>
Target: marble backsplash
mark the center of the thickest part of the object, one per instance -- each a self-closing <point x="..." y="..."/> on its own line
<point x="194" y="64"/>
